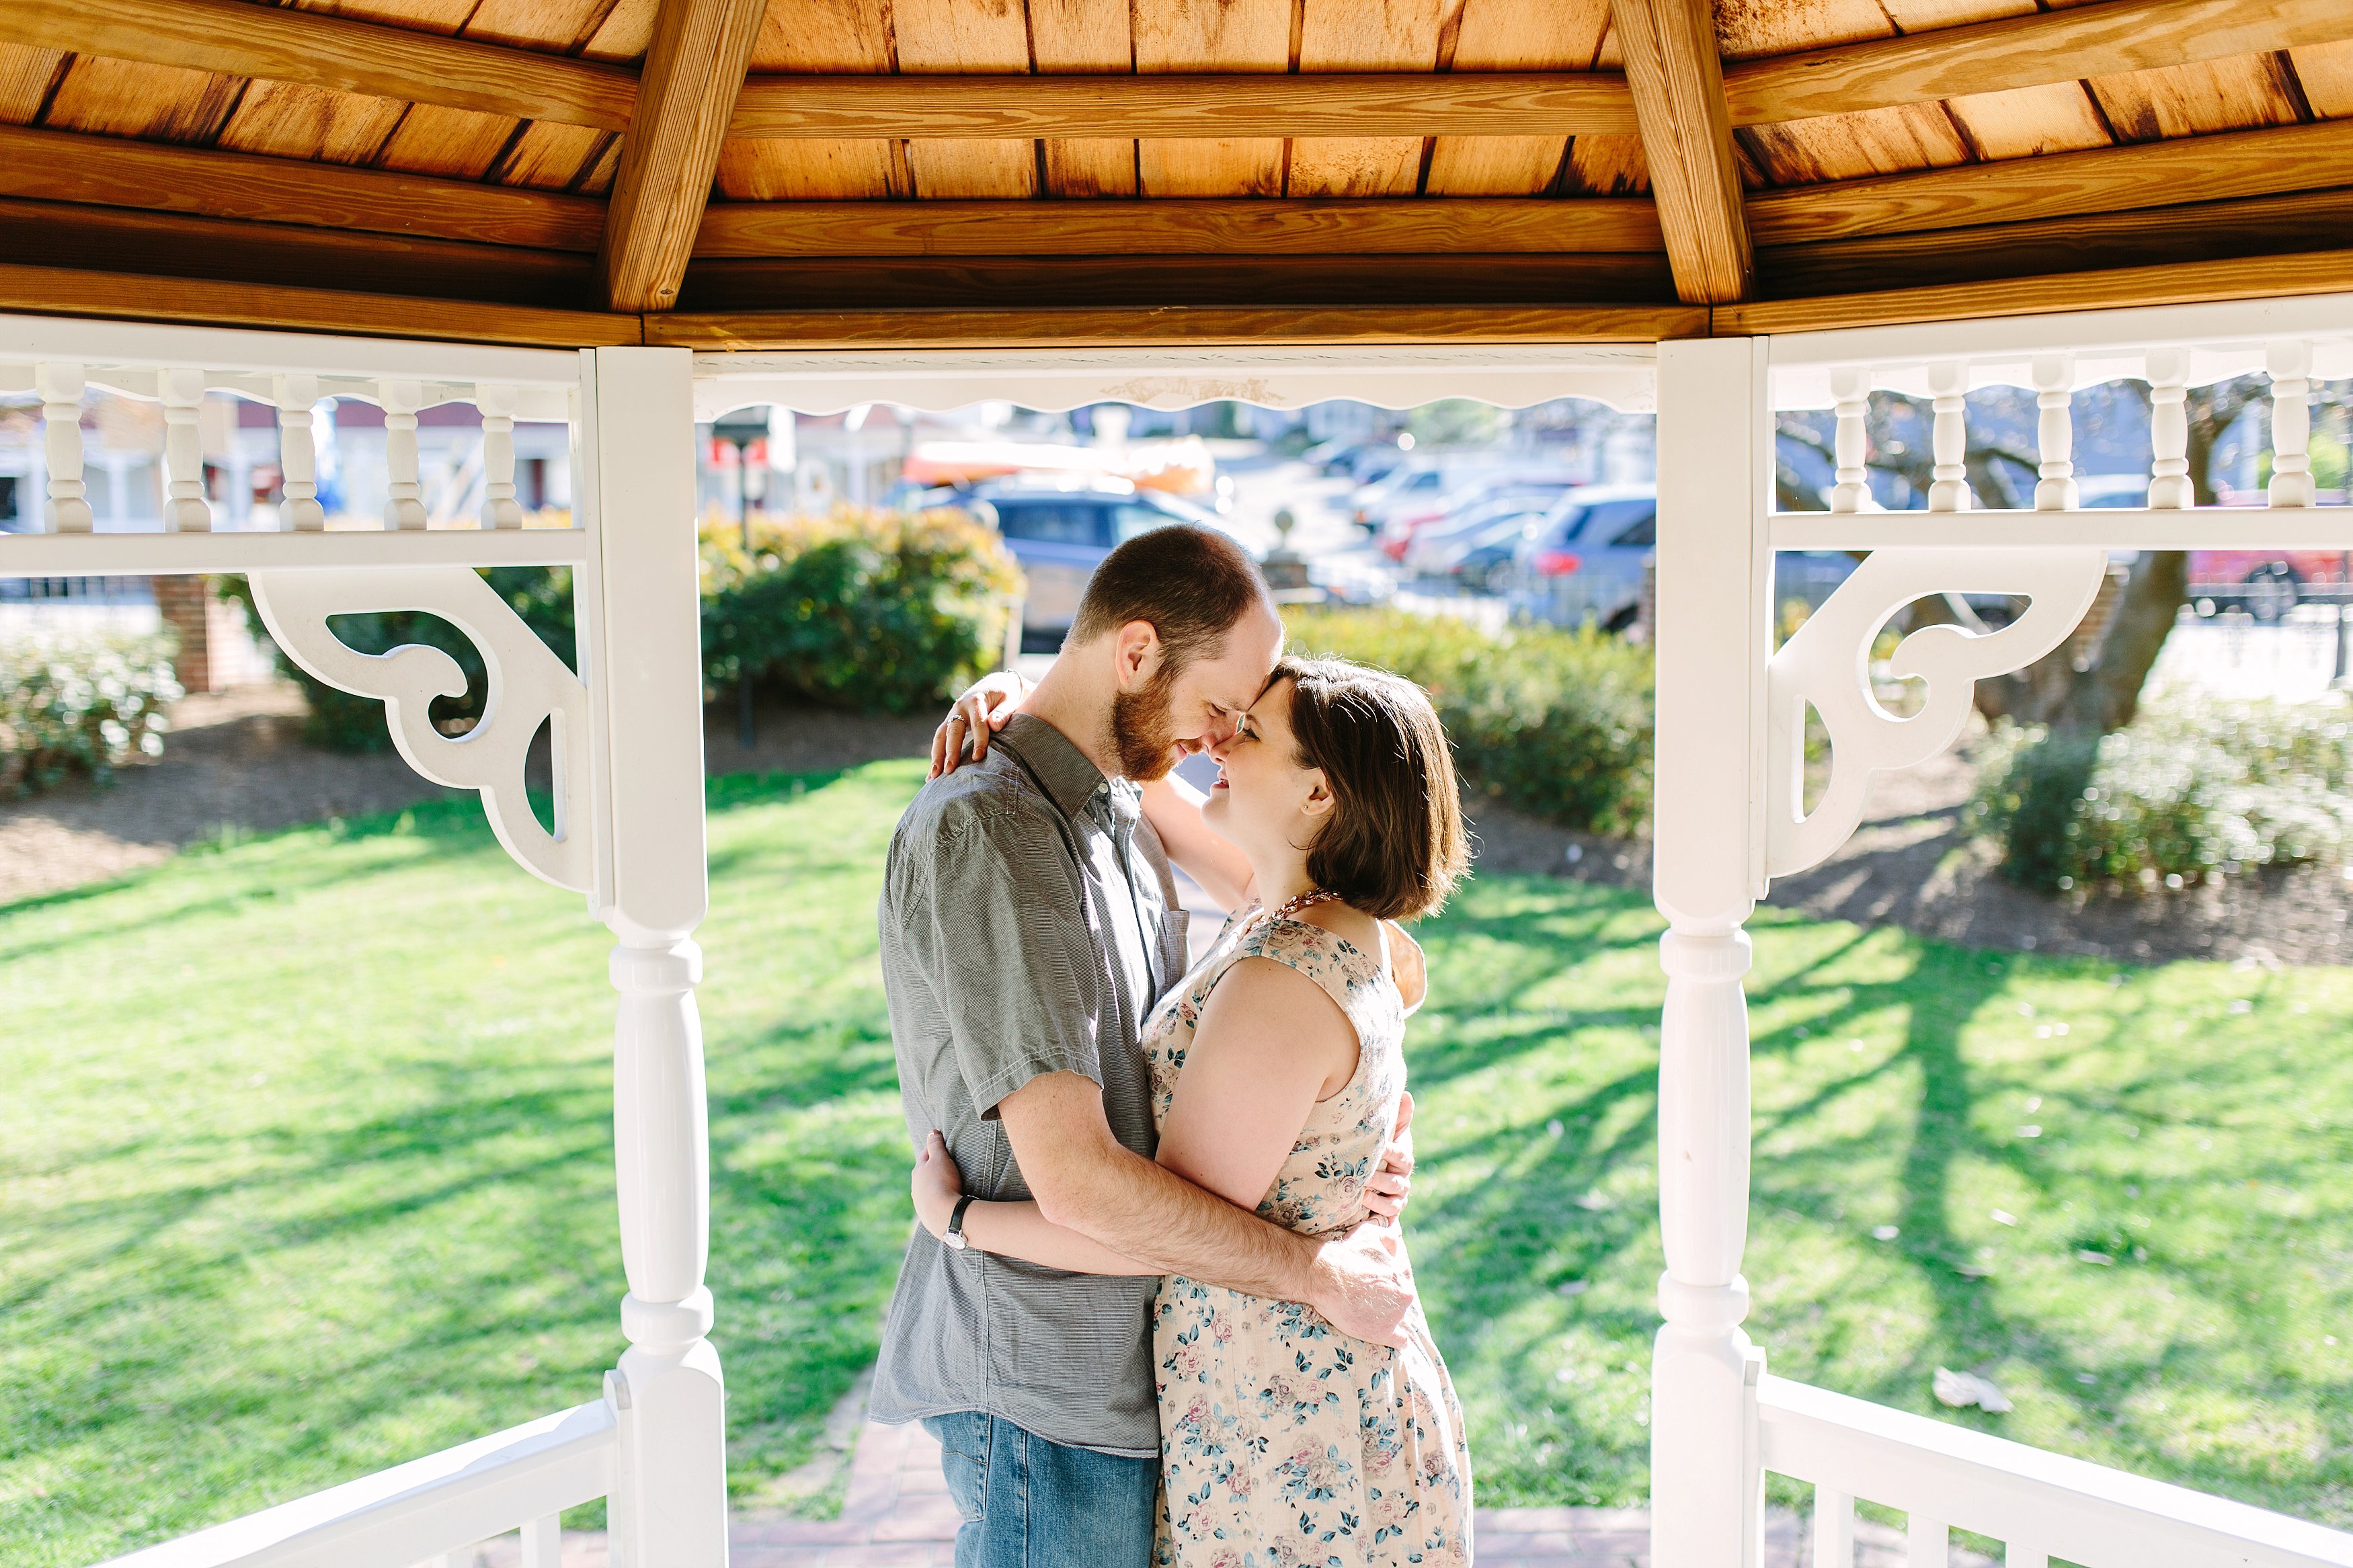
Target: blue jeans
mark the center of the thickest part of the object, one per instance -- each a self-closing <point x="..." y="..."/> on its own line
<point x="1028" y="1503"/>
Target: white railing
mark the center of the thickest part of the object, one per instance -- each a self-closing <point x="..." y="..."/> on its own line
<point x="2040" y="1505"/>
<point x="522" y="1479"/>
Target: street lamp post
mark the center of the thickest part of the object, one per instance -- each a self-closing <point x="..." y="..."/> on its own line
<point x="740" y="430"/>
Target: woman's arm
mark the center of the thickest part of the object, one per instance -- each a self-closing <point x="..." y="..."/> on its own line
<point x="1270" y="1043"/>
<point x="1174" y="808"/>
<point x="1008" y="1229"/>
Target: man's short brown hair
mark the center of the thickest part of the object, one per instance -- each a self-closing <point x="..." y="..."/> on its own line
<point x="1192" y="585"/>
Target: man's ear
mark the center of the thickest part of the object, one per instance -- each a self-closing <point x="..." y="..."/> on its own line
<point x="1135" y="652"/>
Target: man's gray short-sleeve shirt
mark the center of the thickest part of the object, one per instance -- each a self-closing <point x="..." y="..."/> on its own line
<point x="1029" y="921"/>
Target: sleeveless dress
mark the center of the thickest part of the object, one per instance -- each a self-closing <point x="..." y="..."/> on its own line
<point x="1283" y="1443"/>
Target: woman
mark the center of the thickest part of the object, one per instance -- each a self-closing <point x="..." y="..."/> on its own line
<point x="1277" y="1071"/>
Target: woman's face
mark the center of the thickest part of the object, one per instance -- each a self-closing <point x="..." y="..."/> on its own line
<point x="1263" y="796"/>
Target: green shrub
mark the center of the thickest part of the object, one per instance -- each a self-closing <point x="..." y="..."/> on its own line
<point x="2194" y="789"/>
<point x="339" y="721"/>
<point x="1555" y="722"/>
<point x="861" y="609"/>
<point x="81" y="705"/>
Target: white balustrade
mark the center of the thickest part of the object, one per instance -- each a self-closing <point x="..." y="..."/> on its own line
<point x="2170" y="485"/>
<point x="183" y="393"/>
<point x="1850" y="386"/>
<point x="60" y="387"/>
<point x="298" y="459"/>
<point x="1834" y="1529"/>
<point x="1948" y="382"/>
<point x="2290" y="366"/>
<point x="403" y="505"/>
<point x="2054" y="385"/>
<point x="499" y="506"/>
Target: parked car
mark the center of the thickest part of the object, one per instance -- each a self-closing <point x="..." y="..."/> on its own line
<point x="1060" y="534"/>
<point x="1405" y="522"/>
<point x="1583" y="560"/>
<point x="1435" y="542"/>
<point x="1413" y="480"/>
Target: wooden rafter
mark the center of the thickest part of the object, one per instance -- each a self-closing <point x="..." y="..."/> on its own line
<point x="60" y="166"/>
<point x="2061" y="184"/>
<point x="694" y="69"/>
<point x="1173" y="325"/>
<point x="1676" y="78"/>
<point x="2032" y="50"/>
<point x="238" y="39"/>
<point x="1481" y="104"/>
<point x="1248" y="226"/>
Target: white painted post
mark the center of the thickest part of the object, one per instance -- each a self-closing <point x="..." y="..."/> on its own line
<point x="2023" y="1554"/>
<point x="2054" y="387"/>
<point x="1927" y="1542"/>
<point x="543" y="1543"/>
<point x="403" y="504"/>
<point x="1950" y="440"/>
<point x="668" y="1505"/>
<point x="1713" y="626"/>
<point x="298" y="458"/>
<point x="500" y="509"/>
<point x="2290" y="364"/>
<point x="1834" y="1543"/>
<point x="60" y="389"/>
<point x="183" y="452"/>
<point x="1850" y="385"/>
<point x="2170" y="487"/>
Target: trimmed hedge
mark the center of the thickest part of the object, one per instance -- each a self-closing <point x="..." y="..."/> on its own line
<point x="82" y="705"/>
<point x="1556" y="722"/>
<point x="870" y="610"/>
<point x="2194" y="789"/>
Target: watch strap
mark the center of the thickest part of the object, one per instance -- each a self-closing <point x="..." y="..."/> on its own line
<point x="956" y="1236"/>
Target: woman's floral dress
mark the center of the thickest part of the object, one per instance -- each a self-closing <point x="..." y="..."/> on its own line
<point x="1284" y="1443"/>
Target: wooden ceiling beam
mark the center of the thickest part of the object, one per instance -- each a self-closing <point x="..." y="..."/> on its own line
<point x="2114" y="289"/>
<point x="1472" y="104"/>
<point x="694" y="68"/>
<point x="2061" y="184"/>
<point x="1677" y="84"/>
<point x="68" y="291"/>
<point x="105" y="170"/>
<point x="2032" y="50"/>
<point x="238" y="39"/>
<point x="1175" y="325"/>
<point x="1248" y="226"/>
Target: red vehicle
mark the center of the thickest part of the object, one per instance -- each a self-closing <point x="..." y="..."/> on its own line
<point x="2267" y="583"/>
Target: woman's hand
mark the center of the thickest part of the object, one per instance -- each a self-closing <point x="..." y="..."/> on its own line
<point x="1392" y="1184"/>
<point x="979" y="713"/>
<point x="937" y="1184"/>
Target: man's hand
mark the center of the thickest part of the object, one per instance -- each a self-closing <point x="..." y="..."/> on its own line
<point x="1364" y="1285"/>
<point x="979" y="713"/>
<point x="1390" y="1186"/>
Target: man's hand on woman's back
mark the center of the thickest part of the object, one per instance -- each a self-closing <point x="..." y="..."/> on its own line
<point x="1364" y="1285"/>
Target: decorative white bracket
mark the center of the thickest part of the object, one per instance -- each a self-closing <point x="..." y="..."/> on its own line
<point x="1827" y="666"/>
<point x="529" y="686"/>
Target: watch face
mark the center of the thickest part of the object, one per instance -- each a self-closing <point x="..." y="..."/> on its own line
<point x="953" y="1238"/>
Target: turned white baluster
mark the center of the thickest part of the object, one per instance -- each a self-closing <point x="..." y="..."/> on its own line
<point x="403" y="505"/>
<point x="1927" y="1542"/>
<point x="2290" y="364"/>
<point x="1850" y="385"/>
<point x="1713" y="626"/>
<point x="1950" y="441"/>
<point x="543" y="1543"/>
<point x="1833" y="1542"/>
<point x="298" y="458"/>
<point x="60" y="388"/>
<point x="2054" y="387"/>
<point x="669" y="1503"/>
<point x="2169" y="487"/>
<point x="183" y="452"/>
<point x="498" y="507"/>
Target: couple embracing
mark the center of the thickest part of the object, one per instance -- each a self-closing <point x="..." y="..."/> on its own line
<point x="1158" y="1308"/>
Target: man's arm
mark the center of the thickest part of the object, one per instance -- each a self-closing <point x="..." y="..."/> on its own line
<point x="1085" y="1181"/>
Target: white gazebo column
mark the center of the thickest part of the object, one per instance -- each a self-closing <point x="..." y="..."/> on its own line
<point x="1713" y="632"/>
<point x="668" y="1505"/>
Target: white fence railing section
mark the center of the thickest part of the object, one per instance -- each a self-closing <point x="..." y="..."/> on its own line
<point x="627" y="829"/>
<point x="1732" y="815"/>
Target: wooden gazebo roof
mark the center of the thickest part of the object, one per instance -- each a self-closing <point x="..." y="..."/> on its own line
<point x="825" y="172"/>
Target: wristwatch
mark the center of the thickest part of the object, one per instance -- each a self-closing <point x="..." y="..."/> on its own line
<point x="954" y="1236"/>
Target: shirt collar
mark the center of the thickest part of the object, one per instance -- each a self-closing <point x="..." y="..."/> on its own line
<point x="1061" y="768"/>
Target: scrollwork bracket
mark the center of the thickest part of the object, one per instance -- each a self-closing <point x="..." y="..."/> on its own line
<point x="529" y="686"/>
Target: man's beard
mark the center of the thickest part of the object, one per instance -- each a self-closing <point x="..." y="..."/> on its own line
<point x="1140" y="728"/>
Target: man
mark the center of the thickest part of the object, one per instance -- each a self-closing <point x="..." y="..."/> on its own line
<point x="1028" y="922"/>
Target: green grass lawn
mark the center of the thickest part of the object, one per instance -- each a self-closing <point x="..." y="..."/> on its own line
<point x="305" y="1169"/>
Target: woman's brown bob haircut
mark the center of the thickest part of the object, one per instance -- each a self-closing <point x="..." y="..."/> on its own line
<point x="1393" y="845"/>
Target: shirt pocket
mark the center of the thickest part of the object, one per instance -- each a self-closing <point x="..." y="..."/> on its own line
<point x="1174" y="925"/>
